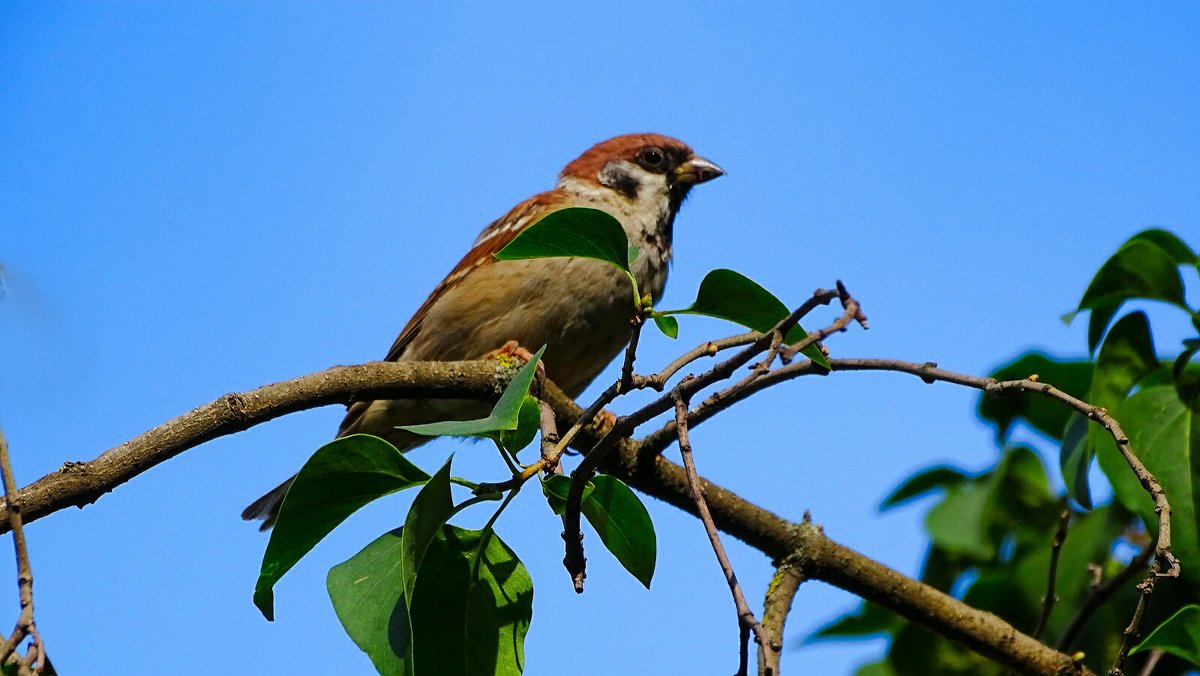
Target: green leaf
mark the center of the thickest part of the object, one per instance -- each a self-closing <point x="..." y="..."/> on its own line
<point x="472" y="606"/>
<point x="1179" y="251"/>
<point x="1174" y="249"/>
<point x="923" y="482"/>
<point x="1098" y="324"/>
<point x="1021" y="487"/>
<point x="632" y="254"/>
<point x="959" y="522"/>
<point x="367" y="591"/>
<point x="1141" y="268"/>
<point x="556" y="486"/>
<point x="576" y="232"/>
<point x="668" y="325"/>
<point x="529" y="423"/>
<point x="1126" y="357"/>
<point x="1048" y="417"/>
<point x="1075" y="460"/>
<point x="865" y="621"/>
<point x="468" y="615"/>
<point x="426" y="516"/>
<point x="1186" y="375"/>
<point x="337" y="480"/>
<point x="1179" y="635"/>
<point x="879" y="668"/>
<point x="624" y="526"/>
<point x="729" y="295"/>
<point x="1165" y="435"/>
<point x="505" y="415"/>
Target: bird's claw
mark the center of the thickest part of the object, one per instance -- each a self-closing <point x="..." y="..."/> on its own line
<point x="513" y="350"/>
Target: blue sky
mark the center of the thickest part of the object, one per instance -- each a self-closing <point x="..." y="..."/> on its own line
<point x="202" y="198"/>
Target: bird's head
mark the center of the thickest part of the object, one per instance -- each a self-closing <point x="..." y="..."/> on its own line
<point x="650" y="169"/>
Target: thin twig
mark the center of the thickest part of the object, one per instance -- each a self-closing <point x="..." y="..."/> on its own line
<point x="1060" y="536"/>
<point x="743" y="649"/>
<point x="549" y="425"/>
<point x="1166" y="565"/>
<point x="746" y="617"/>
<point x="1133" y="631"/>
<point x="722" y="399"/>
<point x="1101" y="594"/>
<point x="635" y="332"/>
<point x="707" y="349"/>
<point x="625" y="425"/>
<point x="25" y="625"/>
<point x="1151" y="662"/>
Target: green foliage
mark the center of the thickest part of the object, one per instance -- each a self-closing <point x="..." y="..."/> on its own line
<point x="623" y="524"/>
<point x="990" y="532"/>
<point x="867" y="621"/>
<point x="923" y="483"/>
<point x="529" y="422"/>
<point x="1165" y="434"/>
<point x="505" y="415"/>
<point x="429" y="511"/>
<point x="731" y="296"/>
<point x="1071" y="376"/>
<point x="468" y="614"/>
<point x="576" y="232"/>
<point x="667" y="324"/>
<point x="429" y="597"/>
<point x="556" y="486"/>
<point x="1147" y="267"/>
<point x="1179" y="635"/>
<point x="337" y="480"/>
<point x="618" y="517"/>
<point x="426" y="598"/>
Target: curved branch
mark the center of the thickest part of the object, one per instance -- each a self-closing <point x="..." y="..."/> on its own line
<point x="805" y="545"/>
<point x="1167" y="564"/>
<point x="78" y="484"/>
<point x="815" y="556"/>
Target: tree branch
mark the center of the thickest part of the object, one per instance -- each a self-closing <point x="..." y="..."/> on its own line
<point x="82" y="483"/>
<point x="804" y="545"/>
<point x="746" y="619"/>
<point x="1166" y="563"/>
<point x="780" y="593"/>
<point x="625" y="425"/>
<point x="1048" y="601"/>
<point x="36" y="656"/>
<point x="1102" y="594"/>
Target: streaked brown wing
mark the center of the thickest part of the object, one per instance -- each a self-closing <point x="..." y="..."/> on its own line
<point x="494" y="237"/>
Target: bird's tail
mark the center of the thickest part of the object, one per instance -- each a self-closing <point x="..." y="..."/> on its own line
<point x="379" y="418"/>
<point x="267" y="507"/>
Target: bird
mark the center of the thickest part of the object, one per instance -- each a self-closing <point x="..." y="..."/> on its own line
<point x="579" y="308"/>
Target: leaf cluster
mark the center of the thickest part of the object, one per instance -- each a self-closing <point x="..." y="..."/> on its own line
<point x="991" y="531"/>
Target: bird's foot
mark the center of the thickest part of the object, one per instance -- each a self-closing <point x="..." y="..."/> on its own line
<point x="605" y="420"/>
<point x="513" y="351"/>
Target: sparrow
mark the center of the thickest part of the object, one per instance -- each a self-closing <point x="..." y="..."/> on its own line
<point x="579" y="308"/>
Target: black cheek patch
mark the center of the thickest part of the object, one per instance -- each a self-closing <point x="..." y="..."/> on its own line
<point x="618" y="178"/>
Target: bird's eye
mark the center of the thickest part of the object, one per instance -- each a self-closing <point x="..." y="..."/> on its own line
<point x="653" y="158"/>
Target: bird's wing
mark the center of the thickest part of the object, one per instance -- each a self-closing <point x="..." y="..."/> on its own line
<point x="494" y="237"/>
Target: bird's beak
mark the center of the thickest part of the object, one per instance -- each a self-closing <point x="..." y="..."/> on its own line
<point x="697" y="170"/>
